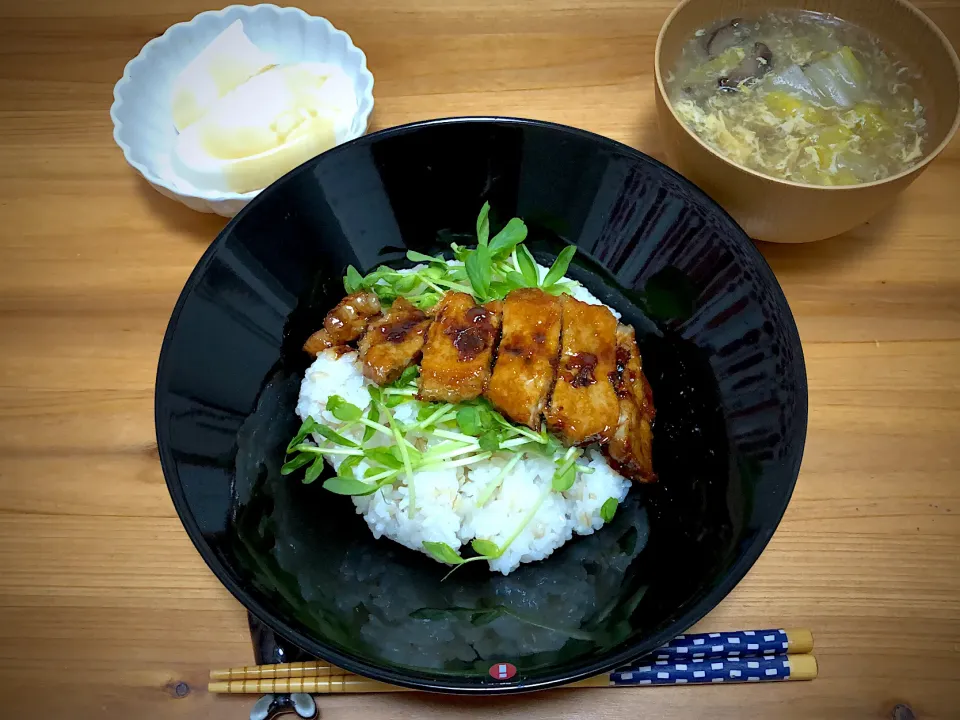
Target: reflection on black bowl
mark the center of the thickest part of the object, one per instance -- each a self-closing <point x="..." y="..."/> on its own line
<point x="720" y="349"/>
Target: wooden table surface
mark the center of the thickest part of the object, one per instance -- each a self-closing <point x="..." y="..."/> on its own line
<point x="105" y="606"/>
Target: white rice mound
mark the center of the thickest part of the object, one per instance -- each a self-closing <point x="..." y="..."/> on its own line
<point x="445" y="499"/>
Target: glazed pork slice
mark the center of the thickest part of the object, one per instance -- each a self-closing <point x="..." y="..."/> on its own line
<point x="345" y="323"/>
<point x="583" y="407"/>
<point x="525" y="368"/>
<point x="458" y="353"/>
<point x="630" y="450"/>
<point x="393" y="342"/>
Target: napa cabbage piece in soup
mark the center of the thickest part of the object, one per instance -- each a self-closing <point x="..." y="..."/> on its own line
<point x="800" y="96"/>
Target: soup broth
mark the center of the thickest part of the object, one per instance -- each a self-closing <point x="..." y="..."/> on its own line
<point x="800" y="96"/>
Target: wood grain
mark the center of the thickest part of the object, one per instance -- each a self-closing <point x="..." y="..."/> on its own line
<point x="105" y="607"/>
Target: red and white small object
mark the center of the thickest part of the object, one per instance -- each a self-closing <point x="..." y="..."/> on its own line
<point x="503" y="671"/>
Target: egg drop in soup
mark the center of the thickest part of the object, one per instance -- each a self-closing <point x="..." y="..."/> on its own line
<point x="800" y="96"/>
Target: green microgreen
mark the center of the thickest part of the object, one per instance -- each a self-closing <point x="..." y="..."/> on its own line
<point x="353" y="280"/>
<point x="566" y="472"/>
<point x="372" y="425"/>
<point x="468" y="420"/>
<point x="348" y="486"/>
<point x="486" y="547"/>
<point x="443" y="552"/>
<point x="335" y="437"/>
<point x="503" y="243"/>
<point x="559" y="267"/>
<point x="483" y="224"/>
<point x="297" y="462"/>
<point x="490" y="441"/>
<point x="608" y="509"/>
<point x="309" y="426"/>
<point x="527" y="266"/>
<point x="314" y="471"/>
<point x="493" y="268"/>
<point x="342" y="410"/>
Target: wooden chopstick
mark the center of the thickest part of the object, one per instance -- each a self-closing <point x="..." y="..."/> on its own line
<point x="280" y="670"/>
<point x="738" y="656"/>
<point x="774" y="668"/>
<point x="347" y="683"/>
<point x="748" y="643"/>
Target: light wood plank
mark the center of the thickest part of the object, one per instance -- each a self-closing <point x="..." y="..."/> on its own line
<point x="105" y="604"/>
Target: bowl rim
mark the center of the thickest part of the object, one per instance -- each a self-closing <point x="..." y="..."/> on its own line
<point x="213" y="196"/>
<point x="914" y="169"/>
<point x="693" y="614"/>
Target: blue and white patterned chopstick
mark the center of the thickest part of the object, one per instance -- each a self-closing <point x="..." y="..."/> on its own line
<point x="727" y="670"/>
<point x="741" y="643"/>
<point x="692" y="659"/>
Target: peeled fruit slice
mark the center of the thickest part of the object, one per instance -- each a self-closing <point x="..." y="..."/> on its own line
<point x="267" y="126"/>
<point x="220" y="67"/>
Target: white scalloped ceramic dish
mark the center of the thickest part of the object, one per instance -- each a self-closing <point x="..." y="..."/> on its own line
<point x="142" y="122"/>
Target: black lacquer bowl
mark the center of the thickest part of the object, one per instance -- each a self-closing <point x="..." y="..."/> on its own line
<point x="719" y="346"/>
